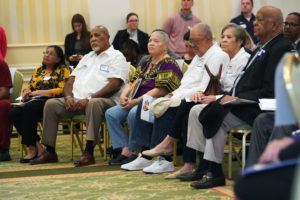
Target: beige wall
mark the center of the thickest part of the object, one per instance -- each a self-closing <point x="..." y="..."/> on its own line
<point x="32" y="25"/>
<point x="39" y="21"/>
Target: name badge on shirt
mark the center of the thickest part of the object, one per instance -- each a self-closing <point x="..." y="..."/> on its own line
<point x="243" y="25"/>
<point x="46" y="78"/>
<point x="201" y="62"/>
<point x="229" y="70"/>
<point x="104" y="68"/>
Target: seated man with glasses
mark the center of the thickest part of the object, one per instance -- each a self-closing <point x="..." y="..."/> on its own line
<point x="292" y="29"/>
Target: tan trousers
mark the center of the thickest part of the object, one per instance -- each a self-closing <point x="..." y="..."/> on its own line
<point x="55" y="110"/>
<point x="212" y="148"/>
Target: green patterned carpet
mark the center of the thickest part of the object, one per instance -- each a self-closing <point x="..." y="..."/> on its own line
<point x="62" y="181"/>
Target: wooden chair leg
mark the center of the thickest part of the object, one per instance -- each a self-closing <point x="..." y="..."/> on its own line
<point x="72" y="139"/>
<point x="105" y="139"/>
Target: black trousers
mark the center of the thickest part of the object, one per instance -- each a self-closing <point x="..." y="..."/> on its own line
<point x="264" y="131"/>
<point x="272" y="184"/>
<point x="179" y="129"/>
<point x="25" y="120"/>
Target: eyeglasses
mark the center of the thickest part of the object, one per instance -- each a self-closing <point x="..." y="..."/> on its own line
<point x="133" y="20"/>
<point x="290" y="24"/>
<point x="195" y="41"/>
<point x="49" y="54"/>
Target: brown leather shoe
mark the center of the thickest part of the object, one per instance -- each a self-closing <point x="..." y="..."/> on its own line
<point x="86" y="159"/>
<point x="45" y="157"/>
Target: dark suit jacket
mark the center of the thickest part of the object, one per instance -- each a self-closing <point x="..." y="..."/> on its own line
<point x="258" y="79"/>
<point x="143" y="39"/>
<point x="257" y="82"/>
<point x="70" y="48"/>
<point x="298" y="46"/>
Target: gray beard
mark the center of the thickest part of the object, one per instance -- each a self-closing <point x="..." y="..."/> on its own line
<point x="96" y="49"/>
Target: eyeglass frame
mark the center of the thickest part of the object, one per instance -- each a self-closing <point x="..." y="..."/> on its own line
<point x="133" y="21"/>
<point x="196" y="41"/>
<point x="290" y="24"/>
<point x="49" y="54"/>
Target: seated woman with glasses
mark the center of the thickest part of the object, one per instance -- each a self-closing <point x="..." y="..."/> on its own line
<point x="156" y="76"/>
<point x="48" y="81"/>
<point x="141" y="38"/>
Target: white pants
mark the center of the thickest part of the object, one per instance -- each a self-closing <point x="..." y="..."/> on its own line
<point x="212" y="148"/>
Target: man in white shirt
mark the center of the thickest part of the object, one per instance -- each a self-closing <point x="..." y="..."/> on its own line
<point x="92" y="88"/>
<point x="193" y="84"/>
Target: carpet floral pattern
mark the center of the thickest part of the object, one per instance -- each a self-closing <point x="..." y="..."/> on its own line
<point x="63" y="181"/>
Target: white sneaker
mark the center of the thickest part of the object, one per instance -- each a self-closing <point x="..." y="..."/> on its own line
<point x="159" y="166"/>
<point x="138" y="164"/>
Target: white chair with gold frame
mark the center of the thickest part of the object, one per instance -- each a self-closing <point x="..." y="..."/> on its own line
<point x="18" y="81"/>
<point x="241" y="132"/>
<point x="291" y="74"/>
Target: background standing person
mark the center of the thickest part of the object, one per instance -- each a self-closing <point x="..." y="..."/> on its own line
<point x="177" y="25"/>
<point x="141" y="38"/>
<point x="246" y="18"/>
<point x="3" y="44"/>
<point x="77" y="43"/>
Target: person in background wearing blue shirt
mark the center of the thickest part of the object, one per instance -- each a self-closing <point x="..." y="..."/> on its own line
<point x="246" y="18"/>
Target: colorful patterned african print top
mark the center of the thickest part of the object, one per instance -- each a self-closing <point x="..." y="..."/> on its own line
<point x="165" y="74"/>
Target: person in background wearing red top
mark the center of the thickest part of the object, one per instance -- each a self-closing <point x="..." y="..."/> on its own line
<point x="3" y="44"/>
<point x="5" y="106"/>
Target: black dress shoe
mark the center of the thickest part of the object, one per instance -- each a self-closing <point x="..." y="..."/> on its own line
<point x="129" y="159"/>
<point x="113" y="152"/>
<point x="4" y="155"/>
<point x="208" y="181"/>
<point x="118" y="160"/>
<point x="196" y="175"/>
<point x="27" y="160"/>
